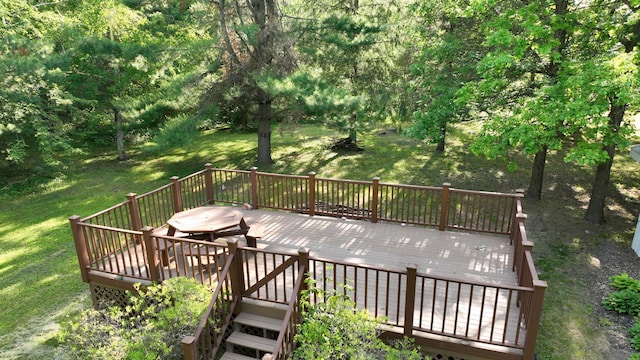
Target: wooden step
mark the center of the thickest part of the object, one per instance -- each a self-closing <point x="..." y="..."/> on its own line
<point x="258" y="321"/>
<point x="233" y="356"/>
<point x="263" y="308"/>
<point x="251" y="341"/>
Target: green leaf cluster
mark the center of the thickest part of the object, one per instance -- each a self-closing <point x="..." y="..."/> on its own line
<point x="626" y="301"/>
<point x="151" y="326"/>
<point x="334" y="329"/>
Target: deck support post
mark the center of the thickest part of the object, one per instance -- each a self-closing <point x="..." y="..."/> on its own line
<point x="444" y="211"/>
<point x="152" y="254"/>
<point x="208" y="182"/>
<point x="375" y="182"/>
<point x="311" y="189"/>
<point x="533" y="321"/>
<point x="235" y="270"/>
<point x="189" y="348"/>
<point x="254" y="187"/>
<point x="175" y="192"/>
<point x="134" y="212"/>
<point x="81" y="249"/>
<point x="410" y="299"/>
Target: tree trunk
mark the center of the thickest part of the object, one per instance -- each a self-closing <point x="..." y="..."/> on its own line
<point x="441" y="142"/>
<point x="122" y="155"/>
<point x="595" y="211"/>
<point x="353" y="134"/>
<point x="264" y="131"/>
<point x="537" y="175"/>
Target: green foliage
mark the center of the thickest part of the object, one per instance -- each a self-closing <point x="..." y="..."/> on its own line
<point x="626" y="301"/>
<point x="623" y="301"/>
<point x="352" y="46"/>
<point x="334" y="329"/>
<point x="151" y="326"/>
<point x="635" y="334"/>
<point x="625" y="282"/>
<point x="448" y="51"/>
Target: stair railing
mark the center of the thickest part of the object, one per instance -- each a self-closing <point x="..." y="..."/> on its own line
<point x="285" y="342"/>
<point x="206" y="341"/>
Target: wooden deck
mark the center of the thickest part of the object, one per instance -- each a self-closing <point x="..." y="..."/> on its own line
<point x="461" y="255"/>
<point x="481" y="314"/>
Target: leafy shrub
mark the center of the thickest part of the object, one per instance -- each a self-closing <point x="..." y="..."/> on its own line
<point x="625" y="282"/>
<point x="624" y="301"/>
<point x="334" y="329"/>
<point x="151" y="326"/>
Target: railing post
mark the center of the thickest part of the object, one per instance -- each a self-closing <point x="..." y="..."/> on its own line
<point x="235" y="270"/>
<point x="311" y="188"/>
<point x="374" y="199"/>
<point x="189" y="348"/>
<point x="254" y="187"/>
<point x="410" y="299"/>
<point x="81" y="249"/>
<point x="517" y="209"/>
<point x="535" y="312"/>
<point x="518" y="242"/>
<point x="134" y="212"/>
<point x="208" y="182"/>
<point x="303" y="261"/>
<point x="177" y="195"/>
<point x="444" y="211"/>
<point x="152" y="254"/>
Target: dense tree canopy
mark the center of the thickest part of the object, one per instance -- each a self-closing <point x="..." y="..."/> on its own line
<point x="538" y="75"/>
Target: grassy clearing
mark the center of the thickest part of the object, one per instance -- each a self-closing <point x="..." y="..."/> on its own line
<point x="40" y="282"/>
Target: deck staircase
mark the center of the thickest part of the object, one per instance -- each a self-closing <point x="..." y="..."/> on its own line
<point x="255" y="330"/>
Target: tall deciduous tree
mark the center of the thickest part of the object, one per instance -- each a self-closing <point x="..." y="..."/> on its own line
<point x="521" y="89"/>
<point x="557" y="74"/>
<point x="448" y="50"/>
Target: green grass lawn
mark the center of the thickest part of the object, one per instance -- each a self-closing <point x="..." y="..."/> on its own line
<point x="40" y="283"/>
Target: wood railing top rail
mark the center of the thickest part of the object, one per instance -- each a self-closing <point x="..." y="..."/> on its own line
<point x="148" y="193"/>
<point x="102" y="212"/>
<point x="109" y="228"/>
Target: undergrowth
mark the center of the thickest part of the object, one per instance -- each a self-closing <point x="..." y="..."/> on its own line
<point x="626" y="300"/>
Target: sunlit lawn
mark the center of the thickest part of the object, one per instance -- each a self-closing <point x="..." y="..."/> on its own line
<point x="39" y="277"/>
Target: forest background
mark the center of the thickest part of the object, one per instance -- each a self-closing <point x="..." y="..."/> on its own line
<point x="533" y="78"/>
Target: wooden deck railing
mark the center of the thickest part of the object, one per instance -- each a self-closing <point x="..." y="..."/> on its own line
<point x="444" y="207"/>
<point x="120" y="242"/>
<point x="206" y="341"/>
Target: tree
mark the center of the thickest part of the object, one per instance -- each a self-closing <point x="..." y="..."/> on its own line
<point x="255" y="50"/>
<point x="556" y="75"/>
<point x="520" y="88"/>
<point x="448" y="49"/>
<point x="34" y="134"/>
<point x="609" y="82"/>
<point x="351" y="44"/>
<point x="110" y="64"/>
